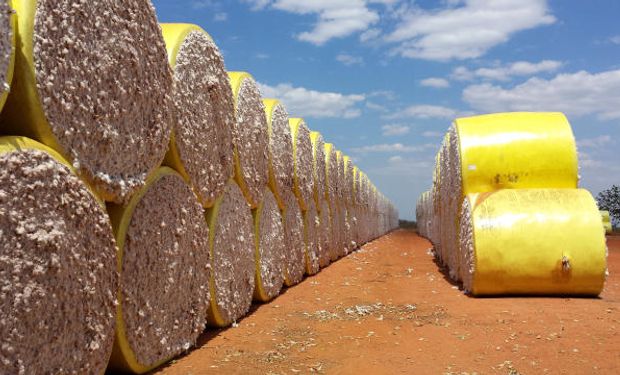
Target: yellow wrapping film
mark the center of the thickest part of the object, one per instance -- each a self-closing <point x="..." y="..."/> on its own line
<point x="516" y="150"/>
<point x="270" y="105"/>
<point x="123" y="357"/>
<point x="214" y="316"/>
<point x="294" y="124"/>
<point x="606" y="222"/>
<point x="537" y="241"/>
<point x="11" y="66"/>
<point x="174" y="37"/>
<point x="236" y="80"/>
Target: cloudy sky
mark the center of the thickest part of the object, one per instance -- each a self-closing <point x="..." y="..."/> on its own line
<point x="383" y="79"/>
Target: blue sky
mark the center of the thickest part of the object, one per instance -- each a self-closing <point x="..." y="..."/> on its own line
<point x="383" y="79"/>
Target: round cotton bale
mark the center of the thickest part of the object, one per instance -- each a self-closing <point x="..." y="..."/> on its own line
<point x="92" y="82"/>
<point x="232" y="248"/>
<point x="164" y="265"/>
<point x="302" y="161"/>
<point x="250" y="138"/>
<point x="331" y="173"/>
<point x="318" y="165"/>
<point x="325" y="233"/>
<point x="606" y="222"/>
<point x="201" y="147"/>
<point x="347" y="179"/>
<point x="57" y="266"/>
<point x="313" y="238"/>
<point x="501" y="151"/>
<point x="280" y="150"/>
<point x="295" y="239"/>
<point x="7" y="48"/>
<point x="270" y="248"/>
<point x="532" y="241"/>
<point x="340" y="185"/>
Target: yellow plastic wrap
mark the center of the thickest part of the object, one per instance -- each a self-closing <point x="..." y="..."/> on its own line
<point x="174" y="37"/>
<point x="516" y="150"/>
<point x="533" y="241"/>
<point x="123" y="357"/>
<point x="11" y="65"/>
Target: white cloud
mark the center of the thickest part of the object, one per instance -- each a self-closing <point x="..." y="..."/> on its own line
<point x="431" y="134"/>
<point x="220" y="17"/>
<point x="336" y="18"/>
<point x="467" y="31"/>
<point x="349" y="60"/>
<point x="262" y="56"/>
<point x="576" y="94"/>
<point x="395" y="129"/>
<point x="438" y="83"/>
<point x="392" y="148"/>
<point x="376" y="107"/>
<point x="303" y="102"/>
<point x="425" y="112"/>
<point x="595" y="142"/>
<point x="505" y="72"/>
<point x="396" y="159"/>
<point x="615" y="39"/>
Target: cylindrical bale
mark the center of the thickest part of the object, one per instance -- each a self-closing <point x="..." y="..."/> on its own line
<point x="532" y="241"/>
<point x="8" y="22"/>
<point x="606" y="222"/>
<point x="502" y="151"/>
<point x="164" y="266"/>
<point x="250" y="138"/>
<point x="232" y="248"/>
<point x="302" y="162"/>
<point x="331" y="173"/>
<point x="57" y="266"/>
<point x="92" y="81"/>
<point x="347" y="179"/>
<point x="355" y="224"/>
<point x="280" y="149"/>
<point x="295" y="239"/>
<point x="270" y="248"/>
<point x="313" y="238"/>
<point x="340" y="185"/>
<point x="318" y="165"/>
<point x="325" y="233"/>
<point x="201" y="147"/>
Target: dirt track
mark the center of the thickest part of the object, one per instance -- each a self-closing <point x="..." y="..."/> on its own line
<point x="388" y="309"/>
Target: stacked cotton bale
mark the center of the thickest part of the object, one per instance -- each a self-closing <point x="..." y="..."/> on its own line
<point x="107" y="108"/>
<point x="7" y="48"/>
<point x="424" y="214"/>
<point x="606" y="222"/>
<point x="270" y="249"/>
<point x="57" y="266"/>
<point x="280" y="150"/>
<point x="164" y="267"/>
<point x="506" y="159"/>
<point x="250" y="138"/>
<point x="201" y="142"/>
<point x="232" y="249"/>
<point x="299" y="235"/>
<point x="551" y="243"/>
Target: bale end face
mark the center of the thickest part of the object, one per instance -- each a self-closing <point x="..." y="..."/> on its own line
<point x="57" y="255"/>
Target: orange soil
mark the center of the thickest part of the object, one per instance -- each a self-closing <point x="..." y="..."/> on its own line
<point x="388" y="309"/>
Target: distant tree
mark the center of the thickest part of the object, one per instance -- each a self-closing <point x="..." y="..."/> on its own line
<point x="609" y="200"/>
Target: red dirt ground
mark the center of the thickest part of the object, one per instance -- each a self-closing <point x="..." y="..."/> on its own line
<point x="388" y="309"/>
